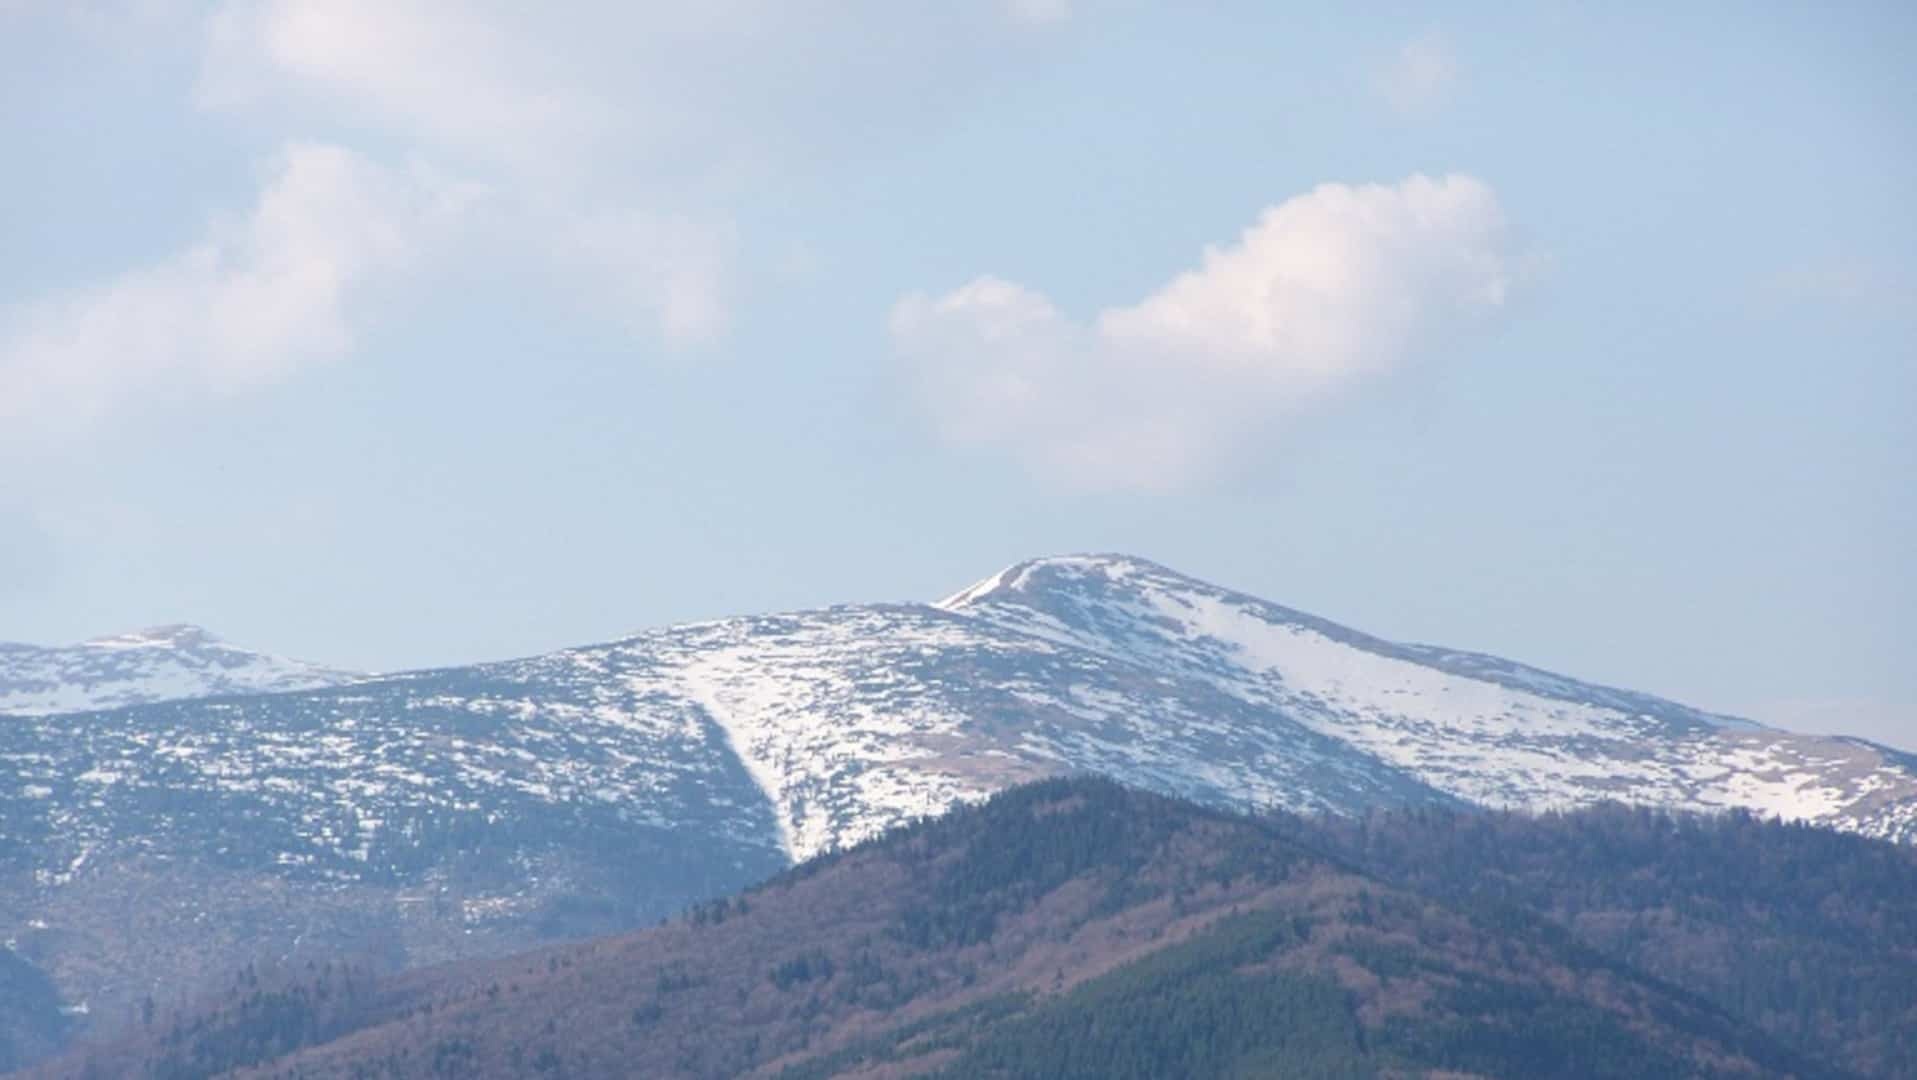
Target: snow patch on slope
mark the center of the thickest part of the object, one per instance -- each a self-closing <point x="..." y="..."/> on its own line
<point x="821" y="712"/>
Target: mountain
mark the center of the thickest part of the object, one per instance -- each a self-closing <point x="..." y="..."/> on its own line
<point x="1485" y="730"/>
<point x="1075" y="928"/>
<point x="160" y="663"/>
<point x="432" y="816"/>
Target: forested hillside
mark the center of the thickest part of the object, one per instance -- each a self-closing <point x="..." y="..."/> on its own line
<point x="1810" y="935"/>
<point x="1078" y="928"/>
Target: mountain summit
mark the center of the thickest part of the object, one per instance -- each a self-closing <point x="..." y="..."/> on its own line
<point x="1481" y="728"/>
<point x="477" y="809"/>
<point x="170" y="636"/>
<point x="159" y="663"/>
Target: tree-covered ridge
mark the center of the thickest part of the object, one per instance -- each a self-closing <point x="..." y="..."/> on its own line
<point x="1080" y="928"/>
<point x="1809" y="935"/>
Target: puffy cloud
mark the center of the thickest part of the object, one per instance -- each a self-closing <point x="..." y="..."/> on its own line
<point x="1420" y="76"/>
<point x="535" y="106"/>
<point x="1322" y="291"/>
<point x="255" y="298"/>
<point x="611" y="142"/>
<point x="615" y="135"/>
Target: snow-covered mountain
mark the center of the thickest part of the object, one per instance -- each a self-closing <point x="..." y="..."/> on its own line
<point x="475" y="808"/>
<point x="1482" y="729"/>
<point x="161" y="663"/>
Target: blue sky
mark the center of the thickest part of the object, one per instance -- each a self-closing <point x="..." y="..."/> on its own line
<point x="403" y="333"/>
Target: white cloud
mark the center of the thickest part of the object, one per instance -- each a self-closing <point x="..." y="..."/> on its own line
<point x="252" y="300"/>
<point x="525" y="104"/>
<point x="1421" y="75"/>
<point x="1319" y="293"/>
<point x="620" y="135"/>
<point x="613" y="142"/>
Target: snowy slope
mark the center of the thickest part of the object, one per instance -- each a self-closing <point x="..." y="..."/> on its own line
<point x="1486" y="730"/>
<point x="853" y="720"/>
<point x="161" y="663"/>
<point x="849" y="720"/>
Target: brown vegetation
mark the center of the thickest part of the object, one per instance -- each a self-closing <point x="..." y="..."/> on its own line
<point x="944" y="947"/>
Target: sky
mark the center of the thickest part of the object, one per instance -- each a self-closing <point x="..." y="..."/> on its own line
<point x="394" y="333"/>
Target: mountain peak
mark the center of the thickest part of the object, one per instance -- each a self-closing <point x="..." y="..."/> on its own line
<point x="1051" y="570"/>
<point x="166" y="636"/>
<point x="157" y="663"/>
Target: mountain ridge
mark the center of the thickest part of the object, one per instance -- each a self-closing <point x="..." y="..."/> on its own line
<point x="1460" y="661"/>
<point x="459" y="811"/>
<point x="170" y="662"/>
